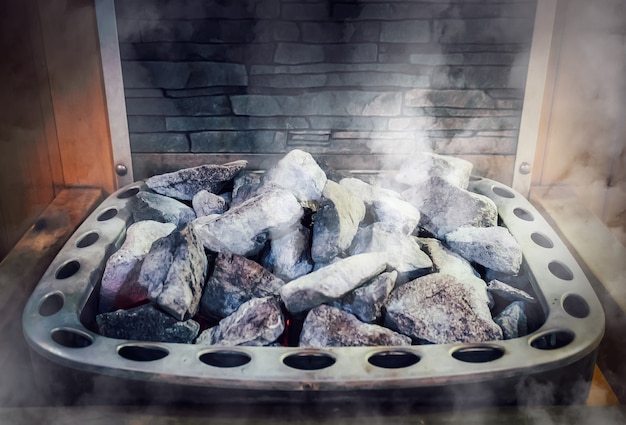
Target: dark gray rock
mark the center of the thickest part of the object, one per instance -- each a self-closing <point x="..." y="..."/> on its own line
<point x="449" y="262"/>
<point x="492" y="247"/>
<point x="290" y="256"/>
<point x="445" y="207"/>
<point x="152" y="206"/>
<point x="255" y="323"/>
<point x="206" y="203"/>
<point x="244" y="229"/>
<point x="403" y="251"/>
<point x="173" y="272"/>
<point x="299" y="173"/>
<point x="366" y="301"/>
<point x="327" y="326"/>
<point x="119" y="287"/>
<point x="508" y="292"/>
<point x="335" y="222"/>
<point x="235" y="280"/>
<point x="331" y="282"/>
<point x="146" y="323"/>
<point x="513" y="320"/>
<point x="439" y="309"/>
<point x="184" y="184"/>
<point x="421" y="167"/>
<point x="245" y="186"/>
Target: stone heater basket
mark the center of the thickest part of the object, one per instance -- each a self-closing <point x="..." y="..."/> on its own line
<point x="556" y="360"/>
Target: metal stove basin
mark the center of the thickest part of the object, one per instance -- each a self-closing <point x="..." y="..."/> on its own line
<point x="556" y="360"/>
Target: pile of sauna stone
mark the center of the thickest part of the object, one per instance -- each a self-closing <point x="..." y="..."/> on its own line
<point x="219" y="255"/>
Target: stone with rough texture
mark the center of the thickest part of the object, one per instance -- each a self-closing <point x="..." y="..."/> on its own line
<point x="152" y="206"/>
<point x="492" y="247"/>
<point x="336" y="222"/>
<point x="235" y="280"/>
<point x="119" y="288"/>
<point x="173" y="273"/>
<point x="403" y="251"/>
<point x="513" y="320"/>
<point x="256" y="322"/>
<point x="243" y="229"/>
<point x="366" y="301"/>
<point x="508" y="292"/>
<point x="184" y="184"/>
<point x="417" y="170"/>
<point x="439" y="309"/>
<point x="298" y="172"/>
<point x="206" y="203"/>
<point x="331" y="282"/>
<point x="290" y="256"/>
<point x="327" y="326"/>
<point x="146" y="323"/>
<point x="445" y="207"/>
<point x="449" y="262"/>
<point x="245" y="186"/>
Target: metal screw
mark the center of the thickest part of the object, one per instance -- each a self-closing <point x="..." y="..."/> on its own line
<point x="121" y="169"/>
<point x="525" y="168"/>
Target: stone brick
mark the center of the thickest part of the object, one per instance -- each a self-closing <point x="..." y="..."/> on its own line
<point x="449" y="98"/>
<point x="305" y="11"/>
<point x="351" y="53"/>
<point x="267" y="9"/>
<point x="142" y="124"/>
<point x="476" y="145"/>
<point x="483" y="77"/>
<point x="177" y="52"/>
<point x="159" y="142"/>
<point x="285" y="31"/>
<point x="236" y="141"/>
<point x="128" y="30"/>
<point x="381" y="11"/>
<point x="234" y="123"/>
<point x="143" y="93"/>
<point x="477" y="10"/>
<point x="179" y="75"/>
<point x="293" y="53"/>
<point x="473" y="58"/>
<point x="349" y="123"/>
<point x="188" y="9"/>
<point x="480" y="123"/>
<point x="214" y="105"/>
<point x="483" y="31"/>
<point x="347" y="32"/>
<point x="416" y="31"/>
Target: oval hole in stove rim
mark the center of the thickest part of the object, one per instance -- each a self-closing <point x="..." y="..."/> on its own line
<point x="51" y="304"/>
<point x="107" y="214"/>
<point x="71" y="338"/>
<point x="542" y="240"/>
<point x="393" y="359"/>
<point x="224" y="358"/>
<point x="523" y="214"/>
<point x="575" y="306"/>
<point x="87" y="239"/>
<point x="553" y="340"/>
<point x="478" y="353"/>
<point x="309" y="360"/>
<point x="128" y="193"/>
<point x="503" y="192"/>
<point x="560" y="270"/>
<point x="142" y="352"/>
<point x="67" y="270"/>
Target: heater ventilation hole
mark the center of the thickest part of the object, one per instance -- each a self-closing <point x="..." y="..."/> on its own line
<point x="88" y="240"/>
<point x="478" y="354"/>
<point x="225" y="358"/>
<point x="51" y="304"/>
<point x="128" y="193"/>
<point x="107" y="214"/>
<point x="560" y="270"/>
<point x="505" y="193"/>
<point x="309" y="361"/>
<point x="67" y="270"/>
<point x="71" y="338"/>
<point x="393" y="359"/>
<point x="523" y="214"/>
<point x="576" y="306"/>
<point x="552" y="340"/>
<point x="541" y="240"/>
<point x="142" y="353"/>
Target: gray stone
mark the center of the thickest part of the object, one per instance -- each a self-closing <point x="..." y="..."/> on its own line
<point x="146" y="323"/>
<point x="294" y="53"/>
<point x="366" y="301"/>
<point x="159" y="142"/>
<point x="493" y="247"/>
<point x="508" y="292"/>
<point x="173" y="273"/>
<point x="243" y="229"/>
<point x="331" y="282"/>
<point x="403" y="251"/>
<point x="152" y="206"/>
<point x="181" y="75"/>
<point x="184" y="184"/>
<point x="327" y="326"/>
<point x="290" y="256"/>
<point x="439" y="309"/>
<point x="414" y="31"/>
<point x="421" y="167"/>
<point x="445" y="207"/>
<point x="256" y="322"/>
<point x="336" y="222"/>
<point x="245" y="186"/>
<point x="235" y="280"/>
<point x="207" y="203"/>
<point x="513" y="320"/>
<point x="119" y="288"/>
<point x="297" y="172"/>
<point x="449" y="262"/>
